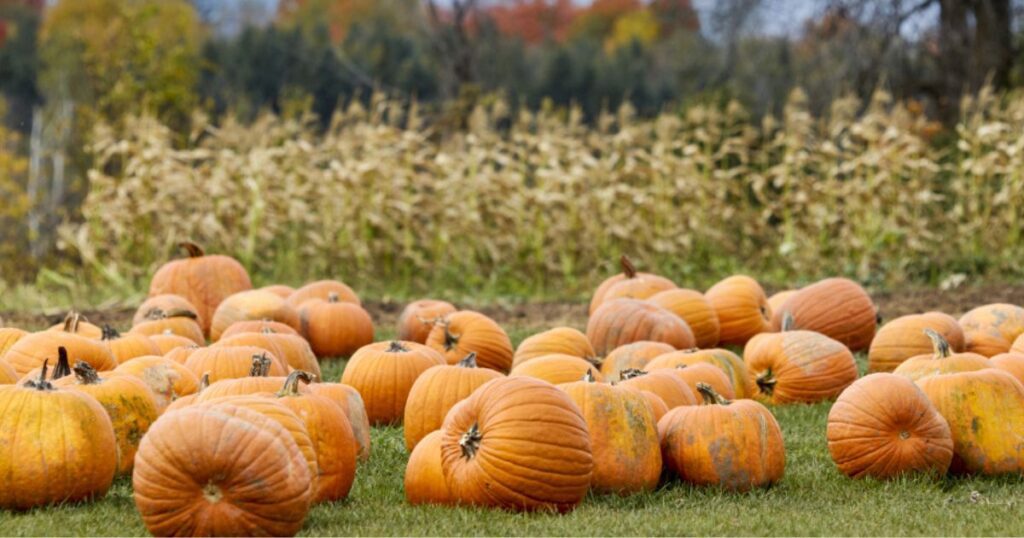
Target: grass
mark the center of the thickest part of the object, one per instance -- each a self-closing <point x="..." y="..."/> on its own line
<point x="812" y="499"/>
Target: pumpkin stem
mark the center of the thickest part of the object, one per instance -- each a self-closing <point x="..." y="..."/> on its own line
<point x="766" y="382"/>
<point x="156" y="313"/>
<point x="41" y="383"/>
<point x="110" y="333"/>
<point x="193" y="250"/>
<point x="260" y="365"/>
<point x="71" y="322"/>
<point x="333" y="297"/>
<point x="939" y="344"/>
<point x="710" y="396"/>
<point x="470" y="441"/>
<point x="469" y="361"/>
<point x="397" y="346"/>
<point x="86" y="374"/>
<point x="63" y="367"/>
<point x="878" y="317"/>
<point x="627" y="266"/>
<point x="291" y="385"/>
<point x="450" y="340"/>
<point x="204" y="382"/>
<point x="630" y="373"/>
<point x="589" y="376"/>
<point x="788" y="323"/>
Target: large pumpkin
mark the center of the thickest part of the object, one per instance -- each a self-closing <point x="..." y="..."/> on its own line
<point x="205" y="281"/>
<point x="631" y="357"/>
<point x="436" y="391"/>
<point x="624" y="321"/>
<point x="167" y="379"/>
<point x="695" y="310"/>
<point x="517" y="443"/>
<point x="166" y="306"/>
<point x="59" y="445"/>
<point x="942" y="360"/>
<point x="465" y="332"/>
<point x="186" y="484"/>
<point x="836" y="307"/>
<point x="645" y="284"/>
<point x="992" y="329"/>
<point x="323" y="290"/>
<point x="424" y="477"/>
<point x="252" y="305"/>
<point x="742" y="309"/>
<point x="418" y="318"/>
<point x="733" y="445"/>
<point x="904" y="337"/>
<point x="230" y="362"/>
<point x="884" y="426"/>
<point x="560" y="340"/>
<point x="335" y="328"/>
<point x="556" y="369"/>
<point x="128" y="346"/>
<point x="384" y="373"/>
<point x="666" y="385"/>
<point x="733" y="366"/>
<point x="623" y="436"/>
<point x="30" y="352"/>
<point x="351" y="403"/>
<point x="291" y="349"/>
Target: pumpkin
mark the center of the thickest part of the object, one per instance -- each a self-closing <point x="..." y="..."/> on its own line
<point x="8" y="336"/>
<point x="167" y="379"/>
<point x="941" y="361"/>
<point x="181" y="354"/>
<point x="695" y="310"/>
<point x="257" y="382"/>
<point x="258" y="326"/>
<point x="323" y="290"/>
<point x="731" y="364"/>
<point x="742" y="309"/>
<point x="129" y="346"/>
<point x="436" y="391"/>
<point x="884" y="426"/>
<point x="280" y="290"/>
<point x="186" y="401"/>
<point x="776" y="301"/>
<point x="560" y="341"/>
<point x="799" y="366"/>
<point x="985" y="342"/>
<point x="79" y="462"/>
<point x="904" y="337"/>
<point x="991" y="329"/>
<point x="985" y="412"/>
<point x="624" y="321"/>
<point x="331" y="433"/>
<point x="351" y="403"/>
<point x="205" y="281"/>
<point x="77" y="324"/>
<point x="517" y="443"/>
<point x="130" y="404"/>
<point x="30" y="352"/>
<point x="658" y="407"/>
<point x="733" y="445"/>
<point x="251" y="305"/>
<point x="836" y="307"/>
<point x="334" y="328"/>
<point x="7" y="374"/>
<point x="1011" y="363"/>
<point x="632" y="357"/>
<point x="166" y="306"/>
<point x="181" y="326"/>
<point x="384" y="373"/>
<point x="666" y="385"/>
<point x="623" y="436"/>
<point x="166" y="343"/>
<point x="465" y="332"/>
<point x="186" y="484"/>
<point x="290" y="348"/>
<point x="556" y="369"/>
<point x="703" y="372"/>
<point x="1018" y="345"/>
<point x="424" y="477"/>
<point x="418" y="318"/>
<point x="642" y="283"/>
<point x="230" y="362"/>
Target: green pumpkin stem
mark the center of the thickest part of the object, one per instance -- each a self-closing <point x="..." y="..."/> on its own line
<point x="627" y="266"/>
<point x="63" y="367"/>
<point x="193" y="250"/>
<point x="939" y="344"/>
<point x="788" y="322"/>
<point x="469" y="361"/>
<point x="710" y="396"/>
<point x="766" y="382"/>
<point x="470" y="441"/>
<point x="630" y="373"/>
<point x="86" y="374"/>
<point x="291" y="384"/>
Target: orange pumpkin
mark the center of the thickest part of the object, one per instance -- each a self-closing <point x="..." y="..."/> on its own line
<point x="836" y="307"/>
<point x="776" y="301"/>
<point x="7" y="374"/>
<point x="335" y="328"/>
<point x="904" y="337"/>
<point x="30" y="352"/>
<point x="323" y="290"/>
<point x="257" y="382"/>
<point x="695" y="310"/>
<point x="664" y="384"/>
<point x="992" y="329"/>
<point x="742" y="309"/>
<point x="702" y="372"/>
<point x="167" y="379"/>
<point x="180" y="355"/>
<point x="732" y="365"/>
<point x="205" y="281"/>
<point x="884" y="426"/>
<point x="1011" y="363"/>
<point x="624" y="321"/>
<point x="182" y="326"/>
<point x="384" y="373"/>
<point x="166" y="306"/>
<point x="557" y="341"/>
<point x="418" y="319"/>
<point x="280" y="290"/>
<point x="632" y="357"/>
<point x="258" y="326"/>
<point x="8" y="336"/>
<point x="186" y="401"/>
<point x="129" y="346"/>
<point x="641" y="282"/>
<point x="733" y="445"/>
<point x="658" y="407"/>
<point x="292" y="349"/>
<point x="251" y="305"/>
<point x="517" y="443"/>
<point x="941" y="361"/>
<point x="556" y="369"/>
<point x="166" y="343"/>
<point x="465" y="332"/>
<point x="436" y="391"/>
<point x="1018" y="345"/>
<point x="351" y="403"/>
<point x="230" y="362"/>
<point x="424" y="477"/>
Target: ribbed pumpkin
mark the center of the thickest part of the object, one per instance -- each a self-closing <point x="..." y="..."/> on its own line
<point x="904" y="337"/>
<point x="166" y="343"/>
<point x="1018" y="345"/>
<point x="799" y="366"/>
<point x="323" y="290"/>
<point x="182" y="326"/>
<point x="465" y="332"/>
<point x="664" y="384"/>
<point x="734" y="445"/>
<point x="186" y="401"/>
<point x="129" y="402"/>
<point x="290" y="348"/>
<point x="556" y="369"/>
<point x="351" y="403"/>
<point x="230" y="362"/>
<point x="702" y="372"/>
<point x="942" y="360"/>
<point x="335" y="328"/>
<point x="695" y="310"/>
<point x="836" y="307"/>
<point x="180" y="355"/>
<point x="205" y="281"/>
<point x="517" y="443"/>
<point x="384" y="373"/>
<point x="632" y="357"/>
<point x="186" y="484"/>
<point x="742" y="309"/>
<point x="776" y="301"/>
<point x="560" y="340"/>
<point x="623" y="436"/>
<point x="624" y="321"/>
<point x="731" y="364"/>
<point x="129" y="346"/>
<point x="418" y="318"/>
<point x="59" y="445"/>
<point x="8" y="336"/>
<point x="424" y="477"/>
<point x="992" y="329"/>
<point x="645" y="284"/>
<point x="77" y="324"/>
<point x="986" y="342"/>
<point x="257" y="382"/>
<point x="167" y="379"/>
<point x="884" y="426"/>
<point x="658" y="407"/>
<point x="328" y="427"/>
<point x="251" y="305"/>
<point x="280" y="290"/>
<point x="985" y="412"/>
<point x="1011" y="363"/>
<point x="436" y="391"/>
<point x="166" y="306"/>
<point x="7" y="374"/>
<point x="258" y="326"/>
<point x="30" y="352"/>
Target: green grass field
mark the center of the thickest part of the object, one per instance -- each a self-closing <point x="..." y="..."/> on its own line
<point x="812" y="499"/>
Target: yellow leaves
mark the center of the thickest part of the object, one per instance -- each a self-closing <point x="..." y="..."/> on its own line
<point x="640" y="26"/>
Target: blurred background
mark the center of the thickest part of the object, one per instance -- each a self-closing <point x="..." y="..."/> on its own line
<point x="511" y="147"/>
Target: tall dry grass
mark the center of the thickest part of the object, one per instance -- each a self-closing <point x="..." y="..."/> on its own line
<point x="543" y="203"/>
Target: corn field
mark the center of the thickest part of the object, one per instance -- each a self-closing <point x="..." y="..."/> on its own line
<point x="545" y="203"/>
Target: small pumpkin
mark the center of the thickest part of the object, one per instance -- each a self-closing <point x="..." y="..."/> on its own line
<point x="424" y="477"/>
<point x="257" y="382"/>
<point x="258" y="326"/>
<point x="280" y="290"/>
<point x="384" y="373"/>
<point x="290" y="348"/>
<point x="335" y="328"/>
<point x="632" y="357"/>
<point x="556" y="369"/>
<point x="1011" y="363"/>
<point x="666" y="385"/>
<point x="642" y="282"/>
<point x="560" y="341"/>
<point x="186" y="401"/>
<point x="695" y="310"/>
<point x="742" y="309"/>
<point x="251" y="305"/>
<point x="702" y="372"/>
<point x="30" y="352"/>
<point x="180" y="355"/>
<point x="230" y="362"/>
<point x="942" y="360"/>
<point x="166" y="306"/>
<point x="731" y="364"/>
<point x="465" y="332"/>
<point x="776" y="301"/>
<point x="884" y="426"/>
<point x="418" y="318"/>
<point x="323" y="290"/>
<point x="992" y="329"/>
<point x="836" y="307"/>
<point x="904" y="337"/>
<point x="172" y="324"/>
<point x="129" y="346"/>
<point x="351" y="403"/>
<point x="166" y="343"/>
<point x="8" y="336"/>
<point x="624" y="321"/>
<point x="167" y="379"/>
